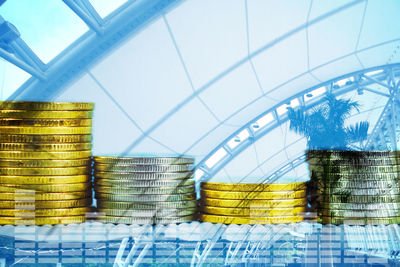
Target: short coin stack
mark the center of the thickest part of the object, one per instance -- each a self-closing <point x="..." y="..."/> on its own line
<point x="144" y="190"/>
<point x="243" y="203"/>
<point x="45" y="150"/>
<point x="356" y="187"/>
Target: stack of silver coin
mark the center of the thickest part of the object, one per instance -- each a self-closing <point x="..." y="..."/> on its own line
<point x="356" y="187"/>
<point x="144" y="190"/>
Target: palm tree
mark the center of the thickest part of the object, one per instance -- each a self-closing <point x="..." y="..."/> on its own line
<point x="324" y="129"/>
<point x="324" y="125"/>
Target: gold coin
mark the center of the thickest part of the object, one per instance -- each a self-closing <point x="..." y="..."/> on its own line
<point x="252" y="195"/>
<point x="37" y="139"/>
<point x="277" y="203"/>
<point x="41" y="163"/>
<point x="72" y="179"/>
<point x="359" y="221"/>
<point x="45" y="187"/>
<point x="145" y="220"/>
<point x="144" y="160"/>
<point x="254" y="212"/>
<point x="46" y="122"/>
<point x="45" y="147"/>
<point x="36" y="105"/>
<point x="145" y="198"/>
<point x="25" y="194"/>
<point x="45" y="171"/>
<point x="145" y="190"/>
<point x="249" y="220"/>
<point x="34" y="114"/>
<point x="43" y="212"/>
<point x="144" y="176"/>
<point x="45" y="154"/>
<point x="56" y="204"/>
<point x="141" y="183"/>
<point x="45" y="130"/>
<point x="42" y="220"/>
<point x="243" y="187"/>
<point x="105" y="204"/>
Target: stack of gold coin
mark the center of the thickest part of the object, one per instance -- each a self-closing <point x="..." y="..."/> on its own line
<point x="45" y="150"/>
<point x="144" y="190"/>
<point x="243" y="203"/>
<point x="356" y="187"/>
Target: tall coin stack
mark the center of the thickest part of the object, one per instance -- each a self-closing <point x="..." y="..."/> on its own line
<point x="45" y="151"/>
<point x="356" y="187"/>
<point x="144" y="190"/>
<point x="241" y="203"/>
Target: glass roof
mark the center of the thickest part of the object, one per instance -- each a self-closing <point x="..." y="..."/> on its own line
<point x="49" y="29"/>
<point x="202" y="70"/>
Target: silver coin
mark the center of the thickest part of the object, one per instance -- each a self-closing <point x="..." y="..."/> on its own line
<point x="158" y="213"/>
<point x="145" y="198"/>
<point x="360" y="206"/>
<point x="147" y="176"/>
<point x="373" y="184"/>
<point x="145" y="190"/>
<point x="361" y="213"/>
<point x="144" y="160"/>
<point x="144" y="220"/>
<point x="359" y="198"/>
<point x="356" y="176"/>
<point x="357" y="192"/>
<point x="331" y="154"/>
<point x="141" y="183"/>
<point x="356" y="169"/>
<point x="142" y="168"/>
<point x="358" y="221"/>
<point x="387" y="161"/>
<point x="105" y="204"/>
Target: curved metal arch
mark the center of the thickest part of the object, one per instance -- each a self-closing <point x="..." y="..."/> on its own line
<point x="222" y="154"/>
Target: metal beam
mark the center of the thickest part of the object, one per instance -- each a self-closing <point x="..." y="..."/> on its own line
<point x="17" y="52"/>
<point x="387" y="124"/>
<point x="22" y="65"/>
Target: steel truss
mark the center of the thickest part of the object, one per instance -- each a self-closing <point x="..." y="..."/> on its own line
<point x="385" y="135"/>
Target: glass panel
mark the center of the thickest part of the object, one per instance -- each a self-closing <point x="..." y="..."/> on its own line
<point x="325" y="37"/>
<point x="212" y="37"/>
<point x="214" y="159"/>
<point x="11" y="78"/>
<point x="48" y="27"/>
<point x="158" y="79"/>
<point x="105" y="7"/>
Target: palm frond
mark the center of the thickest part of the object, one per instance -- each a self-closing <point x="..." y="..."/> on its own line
<point x="357" y="132"/>
<point x="323" y="125"/>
